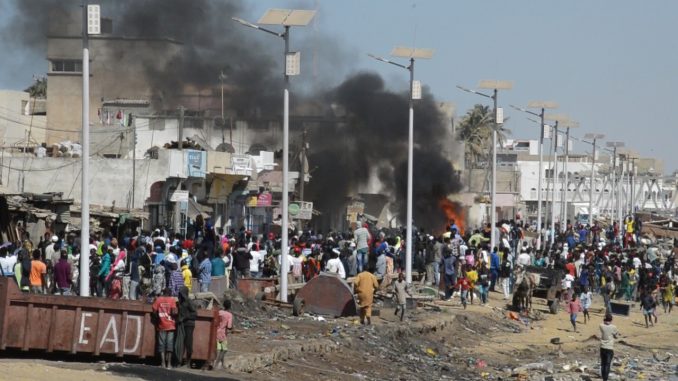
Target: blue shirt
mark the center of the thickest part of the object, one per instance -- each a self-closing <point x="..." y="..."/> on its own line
<point x="218" y="267"/>
<point x="205" y="271"/>
<point x="448" y="264"/>
<point x="494" y="261"/>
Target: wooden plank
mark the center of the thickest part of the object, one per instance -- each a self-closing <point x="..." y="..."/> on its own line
<point x="27" y="326"/>
<point x="100" y="321"/>
<point x="121" y="335"/>
<point x="74" y="337"/>
<point x="52" y="329"/>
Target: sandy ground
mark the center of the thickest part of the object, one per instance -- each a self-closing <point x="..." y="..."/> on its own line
<point x="38" y="370"/>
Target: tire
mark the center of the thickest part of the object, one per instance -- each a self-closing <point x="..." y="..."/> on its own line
<point x="298" y="306"/>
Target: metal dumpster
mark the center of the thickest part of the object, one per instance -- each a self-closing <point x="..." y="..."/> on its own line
<point x="96" y="326"/>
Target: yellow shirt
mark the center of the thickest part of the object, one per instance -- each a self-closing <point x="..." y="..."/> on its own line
<point x="472" y="277"/>
<point x="188" y="277"/>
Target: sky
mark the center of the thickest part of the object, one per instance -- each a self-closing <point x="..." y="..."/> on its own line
<point x="609" y="64"/>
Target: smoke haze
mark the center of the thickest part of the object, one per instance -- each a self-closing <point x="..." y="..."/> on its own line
<point x="369" y="137"/>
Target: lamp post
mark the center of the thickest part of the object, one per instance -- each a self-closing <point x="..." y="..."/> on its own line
<point x="91" y="24"/>
<point x="632" y="179"/>
<point x="495" y="86"/>
<point x="593" y="138"/>
<point x="568" y="125"/>
<point x="286" y="18"/>
<point x="541" y="105"/>
<point x="615" y="184"/>
<point x="559" y="119"/>
<point x="415" y="93"/>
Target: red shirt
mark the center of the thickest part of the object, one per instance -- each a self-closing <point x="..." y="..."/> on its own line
<point x="570" y="268"/>
<point x="463" y="283"/>
<point x="225" y="323"/>
<point x="165" y="306"/>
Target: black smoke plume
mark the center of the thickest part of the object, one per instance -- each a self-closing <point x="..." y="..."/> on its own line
<point x="372" y="140"/>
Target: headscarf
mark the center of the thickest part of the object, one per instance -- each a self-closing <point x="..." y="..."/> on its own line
<point x="121" y="257"/>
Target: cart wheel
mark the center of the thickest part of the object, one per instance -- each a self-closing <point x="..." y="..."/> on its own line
<point x="298" y="306"/>
<point x="554" y="307"/>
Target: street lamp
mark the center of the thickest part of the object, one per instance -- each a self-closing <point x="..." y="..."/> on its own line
<point x="286" y="18"/>
<point x="415" y="93"/>
<point x="91" y="24"/>
<point x="542" y="105"/>
<point x="495" y="86"/>
<point x="568" y="124"/>
<point x="558" y="118"/>
<point x="617" y="203"/>
<point x="593" y="138"/>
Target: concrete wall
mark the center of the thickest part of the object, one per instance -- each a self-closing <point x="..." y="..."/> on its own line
<point x="117" y="70"/>
<point x="14" y="125"/>
<point x="110" y="179"/>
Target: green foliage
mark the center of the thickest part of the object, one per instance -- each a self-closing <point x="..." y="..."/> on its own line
<point x="38" y="89"/>
<point x="475" y="130"/>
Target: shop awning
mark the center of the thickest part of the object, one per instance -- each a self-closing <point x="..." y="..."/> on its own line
<point x="195" y="208"/>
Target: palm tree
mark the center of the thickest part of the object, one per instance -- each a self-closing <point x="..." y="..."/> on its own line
<point x="475" y="129"/>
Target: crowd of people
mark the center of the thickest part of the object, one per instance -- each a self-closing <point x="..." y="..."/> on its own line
<point x="152" y="266"/>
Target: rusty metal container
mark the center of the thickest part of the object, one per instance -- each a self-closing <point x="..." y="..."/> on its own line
<point x="250" y="287"/>
<point x="326" y="294"/>
<point x="218" y="285"/>
<point x="96" y="326"/>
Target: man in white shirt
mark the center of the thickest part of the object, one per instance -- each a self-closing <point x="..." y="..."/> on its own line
<point x="7" y="262"/>
<point x="334" y="265"/>
<point x="51" y="253"/>
<point x="524" y="259"/>
<point x="362" y="238"/>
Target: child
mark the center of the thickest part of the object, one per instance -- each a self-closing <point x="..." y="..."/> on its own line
<point x="647" y="304"/>
<point x="574" y="307"/>
<point x="472" y="276"/>
<point x="401" y="289"/>
<point x="464" y="285"/>
<point x="585" y="299"/>
<point x="165" y="311"/>
<point x="225" y="325"/>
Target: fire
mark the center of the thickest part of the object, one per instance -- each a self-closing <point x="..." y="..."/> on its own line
<point x="454" y="212"/>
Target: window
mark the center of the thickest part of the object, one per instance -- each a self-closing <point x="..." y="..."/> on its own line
<point x="66" y="66"/>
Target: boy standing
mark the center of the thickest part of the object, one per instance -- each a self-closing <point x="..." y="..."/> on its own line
<point x="401" y="289"/>
<point x="165" y="309"/>
<point x="608" y="333"/>
<point x="225" y="325"/>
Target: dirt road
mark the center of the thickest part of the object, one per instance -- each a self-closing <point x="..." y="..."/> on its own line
<point x="440" y="341"/>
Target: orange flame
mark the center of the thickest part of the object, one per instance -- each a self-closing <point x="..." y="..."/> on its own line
<point x="454" y="212"/>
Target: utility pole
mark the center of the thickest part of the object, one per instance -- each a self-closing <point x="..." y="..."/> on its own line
<point x="181" y="127"/>
<point x="554" y="176"/>
<point x="88" y="14"/>
<point x="133" y="122"/>
<point x="303" y="166"/>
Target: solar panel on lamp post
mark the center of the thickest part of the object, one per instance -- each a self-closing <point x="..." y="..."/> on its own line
<point x="495" y="86"/>
<point x="542" y="106"/>
<point x="286" y="18"/>
<point x="415" y="93"/>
